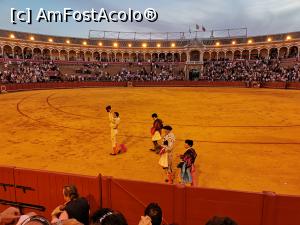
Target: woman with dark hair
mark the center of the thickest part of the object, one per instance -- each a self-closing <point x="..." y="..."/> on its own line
<point x="221" y="221"/>
<point x="108" y="216"/>
<point x="154" y="211"/>
<point x="75" y="207"/>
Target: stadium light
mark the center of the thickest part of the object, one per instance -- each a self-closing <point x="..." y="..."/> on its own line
<point x="250" y="41"/>
<point x="144" y="45"/>
<point x="115" y="44"/>
<point x="50" y="40"/>
<point x="129" y="45"/>
<point x="84" y="43"/>
<point x="100" y="43"/>
<point x="288" y="38"/>
<point x="173" y="45"/>
<point x="233" y="42"/>
<point x="269" y="39"/>
<point x="32" y="38"/>
<point x="158" y="45"/>
<point x="12" y="36"/>
<point x="218" y="44"/>
<point x="67" y="41"/>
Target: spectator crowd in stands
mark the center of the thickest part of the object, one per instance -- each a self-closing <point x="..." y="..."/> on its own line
<point x="26" y="72"/>
<point x="243" y="70"/>
<point x="159" y="73"/>
<point x="262" y="71"/>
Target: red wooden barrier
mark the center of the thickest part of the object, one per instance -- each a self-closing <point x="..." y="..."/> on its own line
<point x="192" y="206"/>
<point x="188" y="84"/>
<point x="7" y="189"/>
<point x="89" y="187"/>
<point x="76" y="84"/>
<point x="46" y="188"/>
<point x="268" y="217"/>
<point x="294" y="85"/>
<point x="86" y="84"/>
<point x="275" y="85"/>
<point x="18" y="87"/>
<point x="47" y="85"/>
<point x="286" y="210"/>
<point x="39" y="86"/>
<point x="7" y="86"/>
<point x="131" y="197"/>
<point x="181" y="205"/>
<point x="203" y="203"/>
<point x="106" y="191"/>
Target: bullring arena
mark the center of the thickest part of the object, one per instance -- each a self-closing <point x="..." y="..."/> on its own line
<point x="245" y="124"/>
<point x="239" y="133"/>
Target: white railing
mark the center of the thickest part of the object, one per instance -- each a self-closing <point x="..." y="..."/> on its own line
<point x="194" y="62"/>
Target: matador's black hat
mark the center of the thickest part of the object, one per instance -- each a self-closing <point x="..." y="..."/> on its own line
<point x="168" y="128"/>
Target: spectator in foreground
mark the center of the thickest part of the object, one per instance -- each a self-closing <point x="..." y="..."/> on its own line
<point x="9" y="216"/>
<point x="75" y="207"/>
<point x="221" y="221"/>
<point x="39" y="220"/>
<point x="108" y="216"/>
<point x="33" y="219"/>
<point x="145" y="220"/>
<point x="154" y="212"/>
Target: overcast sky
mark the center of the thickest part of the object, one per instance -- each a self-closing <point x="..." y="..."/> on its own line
<point x="259" y="16"/>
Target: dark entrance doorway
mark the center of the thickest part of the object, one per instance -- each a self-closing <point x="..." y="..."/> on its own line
<point x="194" y="74"/>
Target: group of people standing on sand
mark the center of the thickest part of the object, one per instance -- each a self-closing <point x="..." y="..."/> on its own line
<point x="165" y="149"/>
<point x="163" y="140"/>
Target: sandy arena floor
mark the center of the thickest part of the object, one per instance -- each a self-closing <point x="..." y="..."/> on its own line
<point x="246" y="139"/>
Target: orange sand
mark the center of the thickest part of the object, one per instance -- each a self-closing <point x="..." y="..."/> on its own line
<point x="246" y="139"/>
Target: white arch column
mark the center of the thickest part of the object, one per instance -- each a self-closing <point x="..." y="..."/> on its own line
<point x="201" y="57"/>
<point x="188" y="56"/>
